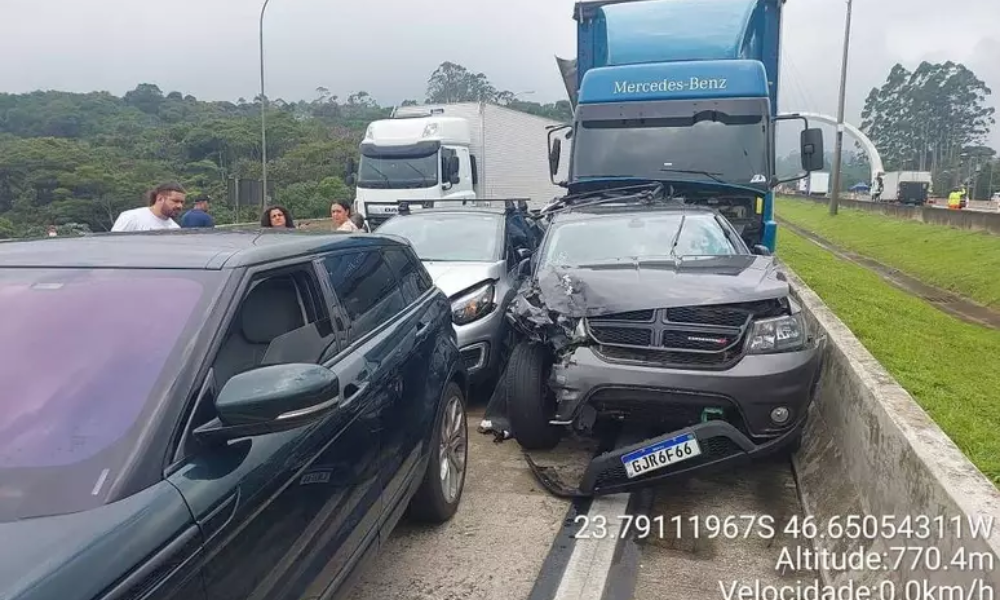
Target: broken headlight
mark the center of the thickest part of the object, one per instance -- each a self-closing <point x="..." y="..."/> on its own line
<point x="780" y="334"/>
<point x="476" y="304"/>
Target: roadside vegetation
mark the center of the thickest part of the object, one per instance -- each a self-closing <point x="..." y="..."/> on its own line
<point x="948" y="366"/>
<point x="963" y="262"/>
<point x="75" y="161"/>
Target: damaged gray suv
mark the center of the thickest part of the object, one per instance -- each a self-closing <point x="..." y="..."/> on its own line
<point x="656" y="316"/>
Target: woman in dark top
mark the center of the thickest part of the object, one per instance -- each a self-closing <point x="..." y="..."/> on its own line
<point x="277" y="216"/>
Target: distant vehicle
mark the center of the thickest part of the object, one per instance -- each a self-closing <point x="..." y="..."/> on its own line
<point x="462" y="150"/>
<point x="816" y="184"/>
<point x="478" y="256"/>
<point x="203" y="414"/>
<point x="671" y="325"/>
<point x="907" y="187"/>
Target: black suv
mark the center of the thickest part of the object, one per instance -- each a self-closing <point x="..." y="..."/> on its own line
<point x="215" y="414"/>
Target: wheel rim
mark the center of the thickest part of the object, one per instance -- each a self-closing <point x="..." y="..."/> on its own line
<point x="452" y="450"/>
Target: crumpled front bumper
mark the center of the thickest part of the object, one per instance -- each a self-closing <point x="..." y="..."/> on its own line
<point x="722" y="446"/>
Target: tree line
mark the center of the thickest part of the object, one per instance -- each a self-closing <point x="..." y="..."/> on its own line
<point x="76" y="160"/>
<point x="934" y="118"/>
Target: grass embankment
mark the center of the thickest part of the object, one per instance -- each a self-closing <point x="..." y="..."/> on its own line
<point x="948" y="366"/>
<point x="963" y="262"/>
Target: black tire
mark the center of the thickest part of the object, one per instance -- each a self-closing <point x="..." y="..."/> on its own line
<point x="530" y="402"/>
<point x="429" y="503"/>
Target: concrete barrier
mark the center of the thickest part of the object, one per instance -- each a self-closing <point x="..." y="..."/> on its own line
<point x="973" y="220"/>
<point x="870" y="451"/>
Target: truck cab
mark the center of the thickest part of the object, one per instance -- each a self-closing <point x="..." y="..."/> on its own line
<point x="682" y="92"/>
<point x="412" y="158"/>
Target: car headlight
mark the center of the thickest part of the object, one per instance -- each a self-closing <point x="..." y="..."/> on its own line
<point x="476" y="304"/>
<point x="780" y="334"/>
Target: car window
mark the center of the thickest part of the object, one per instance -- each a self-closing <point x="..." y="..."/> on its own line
<point x="366" y="287"/>
<point x="281" y="319"/>
<point x="413" y="278"/>
<point x="87" y="360"/>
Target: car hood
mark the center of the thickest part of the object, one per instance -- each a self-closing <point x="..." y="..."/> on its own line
<point x="594" y="290"/>
<point x="79" y="555"/>
<point x="455" y="277"/>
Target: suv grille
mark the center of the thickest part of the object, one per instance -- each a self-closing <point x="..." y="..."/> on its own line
<point x="691" y="337"/>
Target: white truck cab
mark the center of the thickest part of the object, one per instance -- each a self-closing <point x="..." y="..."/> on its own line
<point x="411" y="158"/>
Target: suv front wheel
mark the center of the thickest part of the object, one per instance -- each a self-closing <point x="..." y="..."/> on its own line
<point x="531" y="404"/>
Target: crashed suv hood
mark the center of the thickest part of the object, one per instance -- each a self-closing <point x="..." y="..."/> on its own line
<point x="589" y="291"/>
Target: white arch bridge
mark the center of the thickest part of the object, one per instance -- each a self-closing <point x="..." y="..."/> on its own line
<point x="866" y="144"/>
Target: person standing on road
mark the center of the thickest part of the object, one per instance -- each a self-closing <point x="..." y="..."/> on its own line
<point x="340" y="212"/>
<point x="277" y="216"/>
<point x="955" y="199"/>
<point x="165" y="202"/>
<point x="198" y="216"/>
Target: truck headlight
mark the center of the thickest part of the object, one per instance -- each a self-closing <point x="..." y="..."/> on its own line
<point x="780" y="334"/>
<point x="475" y="305"/>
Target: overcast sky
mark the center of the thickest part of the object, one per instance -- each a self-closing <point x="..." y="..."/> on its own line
<point x="209" y="48"/>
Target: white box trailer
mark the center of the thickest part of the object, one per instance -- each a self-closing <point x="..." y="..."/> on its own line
<point x="910" y="187"/>
<point x="466" y="150"/>
<point x="816" y="184"/>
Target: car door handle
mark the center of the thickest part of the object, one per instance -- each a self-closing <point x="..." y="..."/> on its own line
<point x="423" y="328"/>
<point x="354" y="389"/>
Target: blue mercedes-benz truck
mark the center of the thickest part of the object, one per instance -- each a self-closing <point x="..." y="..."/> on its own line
<point x="685" y="93"/>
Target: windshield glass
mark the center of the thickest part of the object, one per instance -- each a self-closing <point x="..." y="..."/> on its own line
<point x="450" y="237"/>
<point x="612" y="238"/>
<point x="86" y="358"/>
<point x="398" y="172"/>
<point x="732" y="149"/>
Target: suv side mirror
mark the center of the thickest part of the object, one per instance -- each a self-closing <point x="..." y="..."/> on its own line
<point x="523" y="253"/>
<point x="811" y="150"/>
<point x="761" y="250"/>
<point x="554" y="153"/>
<point x="524" y="267"/>
<point x="271" y="399"/>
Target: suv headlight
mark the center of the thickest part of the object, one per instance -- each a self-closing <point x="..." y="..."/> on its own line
<point x="476" y="304"/>
<point x="780" y="334"/>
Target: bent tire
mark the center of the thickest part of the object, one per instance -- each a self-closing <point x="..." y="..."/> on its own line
<point x="440" y="492"/>
<point x="530" y="403"/>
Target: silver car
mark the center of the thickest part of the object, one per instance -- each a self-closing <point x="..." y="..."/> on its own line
<point x="478" y="256"/>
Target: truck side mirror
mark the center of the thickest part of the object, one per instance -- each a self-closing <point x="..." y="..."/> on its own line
<point x="811" y="150"/>
<point x="554" y="154"/>
<point x="350" y="170"/>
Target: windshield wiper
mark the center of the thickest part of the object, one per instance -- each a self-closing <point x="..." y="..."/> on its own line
<point x="423" y="176"/>
<point x="711" y="174"/>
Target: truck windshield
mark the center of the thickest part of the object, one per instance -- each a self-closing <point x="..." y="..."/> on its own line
<point x="398" y="172"/>
<point x="80" y="383"/>
<point x="731" y="149"/>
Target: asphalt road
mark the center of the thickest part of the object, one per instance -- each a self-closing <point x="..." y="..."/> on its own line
<point x="495" y="546"/>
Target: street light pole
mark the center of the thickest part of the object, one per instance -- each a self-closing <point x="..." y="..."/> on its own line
<point x="263" y="114"/>
<point x="835" y="192"/>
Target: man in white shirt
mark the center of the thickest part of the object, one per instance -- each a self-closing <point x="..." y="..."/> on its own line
<point x="166" y="201"/>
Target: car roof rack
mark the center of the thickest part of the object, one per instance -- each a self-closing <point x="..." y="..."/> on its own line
<point x="510" y="204"/>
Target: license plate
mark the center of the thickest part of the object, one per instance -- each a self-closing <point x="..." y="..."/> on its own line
<point x="657" y="456"/>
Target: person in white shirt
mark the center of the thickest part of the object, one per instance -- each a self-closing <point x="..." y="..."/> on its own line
<point x="166" y="201"/>
<point x="340" y="212"/>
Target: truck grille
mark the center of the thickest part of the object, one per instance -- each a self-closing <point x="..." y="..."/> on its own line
<point x="706" y="337"/>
